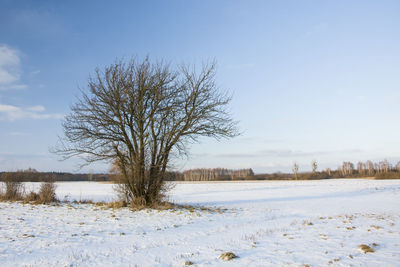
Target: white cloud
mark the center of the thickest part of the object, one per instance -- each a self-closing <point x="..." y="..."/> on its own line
<point x="35" y="72"/>
<point x="17" y="134"/>
<point x="37" y="108"/>
<point x="12" y="113"/>
<point x="10" y="69"/>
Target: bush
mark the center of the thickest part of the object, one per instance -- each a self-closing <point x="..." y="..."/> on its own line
<point x="388" y="175"/>
<point x="313" y="176"/>
<point x="47" y="192"/>
<point x="31" y="197"/>
<point x="15" y="190"/>
<point x="14" y="187"/>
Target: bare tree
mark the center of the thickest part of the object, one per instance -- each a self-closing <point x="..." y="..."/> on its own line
<point x="295" y="169"/>
<point x="398" y="166"/>
<point x="328" y="171"/>
<point x="347" y="168"/>
<point x="314" y="166"/>
<point x="370" y="167"/>
<point x="140" y="114"/>
<point x="386" y="166"/>
<point x="361" y="168"/>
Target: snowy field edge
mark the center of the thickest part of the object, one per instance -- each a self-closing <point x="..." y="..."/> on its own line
<point x="284" y="223"/>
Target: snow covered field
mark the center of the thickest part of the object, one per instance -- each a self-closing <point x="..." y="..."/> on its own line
<point x="279" y="223"/>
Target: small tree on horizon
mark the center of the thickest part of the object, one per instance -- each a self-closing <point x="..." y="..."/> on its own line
<point x="139" y="114"/>
<point x="314" y="166"/>
<point x="295" y="169"/>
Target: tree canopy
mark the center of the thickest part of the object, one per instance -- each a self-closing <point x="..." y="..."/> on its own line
<point x="137" y="114"/>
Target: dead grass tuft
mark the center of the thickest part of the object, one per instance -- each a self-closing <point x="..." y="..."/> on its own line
<point x="14" y="188"/>
<point x="227" y="256"/>
<point x="15" y="191"/>
<point x="365" y="248"/>
<point x="31" y="197"/>
<point x="117" y="204"/>
<point x="47" y="193"/>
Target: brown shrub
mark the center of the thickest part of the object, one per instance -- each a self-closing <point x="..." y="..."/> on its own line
<point x="388" y="175"/>
<point x="31" y="197"/>
<point x="117" y="204"/>
<point x="14" y="188"/>
<point x="47" y="192"/>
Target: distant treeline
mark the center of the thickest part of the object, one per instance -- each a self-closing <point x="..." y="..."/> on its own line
<point x="379" y="170"/>
<point x="32" y="175"/>
<point x="217" y="174"/>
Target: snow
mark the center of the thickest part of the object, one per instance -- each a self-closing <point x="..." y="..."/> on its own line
<point x="268" y="223"/>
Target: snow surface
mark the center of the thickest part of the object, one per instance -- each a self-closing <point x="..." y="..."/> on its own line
<point x="271" y="223"/>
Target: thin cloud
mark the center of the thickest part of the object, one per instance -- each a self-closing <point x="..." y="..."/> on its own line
<point x="35" y="72"/>
<point x="37" y="108"/>
<point x="282" y="153"/>
<point x="12" y="113"/>
<point x="18" y="134"/>
<point x="240" y="66"/>
<point x="258" y="140"/>
<point x="10" y="70"/>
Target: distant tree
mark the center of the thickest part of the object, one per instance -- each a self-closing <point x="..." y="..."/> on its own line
<point x="328" y="171"/>
<point x="90" y="176"/>
<point x="139" y="114"/>
<point x="314" y="166"/>
<point x="295" y="169"/>
<point x="398" y="166"/>
<point x="361" y="168"/>
<point x="386" y="166"/>
<point x="370" y="168"/>
<point x="347" y="168"/>
<point x="382" y="166"/>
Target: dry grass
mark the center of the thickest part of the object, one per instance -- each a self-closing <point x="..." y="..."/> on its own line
<point x="47" y="193"/>
<point x="14" y="190"/>
<point x="365" y="248"/>
<point x="227" y="256"/>
<point x="31" y="197"/>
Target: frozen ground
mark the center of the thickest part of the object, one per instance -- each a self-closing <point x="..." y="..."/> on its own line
<point x="319" y="223"/>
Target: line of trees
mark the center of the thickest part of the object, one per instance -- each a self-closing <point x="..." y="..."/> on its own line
<point x="379" y="170"/>
<point x="217" y="174"/>
<point x="32" y="175"/>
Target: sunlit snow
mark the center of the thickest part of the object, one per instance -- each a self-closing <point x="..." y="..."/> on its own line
<point x="269" y="223"/>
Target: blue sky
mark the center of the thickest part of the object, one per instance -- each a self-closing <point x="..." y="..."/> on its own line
<point x="310" y="79"/>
